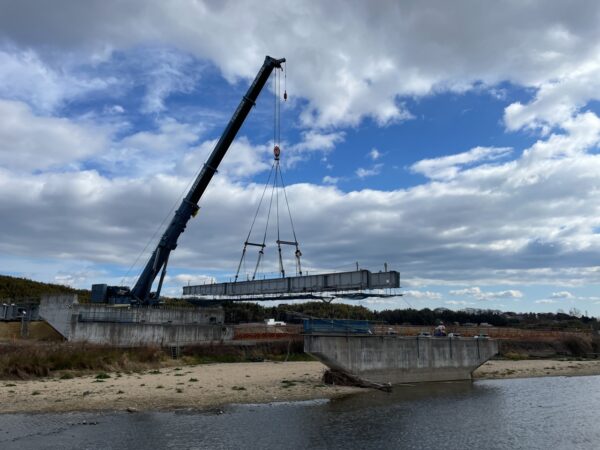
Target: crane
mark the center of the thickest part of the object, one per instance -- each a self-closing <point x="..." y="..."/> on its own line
<point x="157" y="263"/>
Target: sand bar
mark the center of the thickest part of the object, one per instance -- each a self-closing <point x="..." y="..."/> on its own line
<point x="212" y="385"/>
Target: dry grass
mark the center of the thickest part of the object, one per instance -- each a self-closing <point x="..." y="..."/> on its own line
<point x="40" y="360"/>
<point x="38" y="331"/>
<point x="26" y="360"/>
<point x="272" y="351"/>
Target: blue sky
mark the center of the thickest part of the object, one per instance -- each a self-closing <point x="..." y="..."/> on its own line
<point x="456" y="143"/>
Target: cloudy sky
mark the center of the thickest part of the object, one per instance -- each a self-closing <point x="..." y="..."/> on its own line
<point x="456" y="141"/>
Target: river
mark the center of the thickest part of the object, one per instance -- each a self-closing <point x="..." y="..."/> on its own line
<point x="533" y="413"/>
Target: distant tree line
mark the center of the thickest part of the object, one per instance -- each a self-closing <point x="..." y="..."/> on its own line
<point x="21" y="289"/>
<point x="242" y="312"/>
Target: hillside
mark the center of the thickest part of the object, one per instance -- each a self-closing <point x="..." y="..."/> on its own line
<point x="13" y="288"/>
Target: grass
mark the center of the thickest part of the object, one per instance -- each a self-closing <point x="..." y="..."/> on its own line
<point x="272" y="351"/>
<point x="29" y="360"/>
<point x="514" y="356"/>
<point x="102" y="376"/>
<point x="288" y="383"/>
<point x="67" y="360"/>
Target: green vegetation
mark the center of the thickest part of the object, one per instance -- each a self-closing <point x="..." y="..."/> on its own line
<point x="21" y="288"/>
<point x="102" y="376"/>
<point x="237" y="312"/>
<point x="285" y="384"/>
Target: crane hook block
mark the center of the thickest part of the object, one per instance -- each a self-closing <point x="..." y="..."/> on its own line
<point x="285" y="96"/>
<point x="277" y="152"/>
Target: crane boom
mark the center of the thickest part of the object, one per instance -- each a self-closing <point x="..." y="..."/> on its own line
<point x="141" y="292"/>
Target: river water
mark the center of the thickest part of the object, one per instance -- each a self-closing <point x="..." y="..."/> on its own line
<point x="535" y="413"/>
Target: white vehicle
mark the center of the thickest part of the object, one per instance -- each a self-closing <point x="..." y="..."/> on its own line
<point x="273" y="322"/>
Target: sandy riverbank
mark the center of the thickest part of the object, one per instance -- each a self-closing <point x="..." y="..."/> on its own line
<point x="210" y="385"/>
<point x="202" y="387"/>
<point x="536" y="368"/>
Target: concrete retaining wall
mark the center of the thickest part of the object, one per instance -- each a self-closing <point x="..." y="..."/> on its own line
<point x="395" y="359"/>
<point x="125" y="326"/>
<point x="139" y="334"/>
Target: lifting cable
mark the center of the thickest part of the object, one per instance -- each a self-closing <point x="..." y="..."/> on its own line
<point x="277" y="183"/>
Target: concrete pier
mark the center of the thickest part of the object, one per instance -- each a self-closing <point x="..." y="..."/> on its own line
<point x="396" y="359"/>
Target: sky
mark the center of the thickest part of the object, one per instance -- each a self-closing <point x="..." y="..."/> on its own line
<point x="455" y="141"/>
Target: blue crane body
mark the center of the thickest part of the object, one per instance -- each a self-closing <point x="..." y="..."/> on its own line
<point x="141" y="291"/>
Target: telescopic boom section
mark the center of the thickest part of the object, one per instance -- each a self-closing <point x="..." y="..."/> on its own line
<point x="189" y="205"/>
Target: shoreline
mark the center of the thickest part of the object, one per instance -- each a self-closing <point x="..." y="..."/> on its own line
<point x="209" y="386"/>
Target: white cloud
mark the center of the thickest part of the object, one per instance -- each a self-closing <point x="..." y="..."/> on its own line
<point x="479" y="219"/>
<point x="562" y="294"/>
<point x="311" y="141"/>
<point x="361" y="67"/>
<point x="374" y="154"/>
<point x="30" y="142"/>
<point x="447" y="167"/>
<point x="422" y="295"/>
<point x="557" y="100"/>
<point x="457" y="303"/>
<point x="545" y="301"/>
<point x="25" y="77"/>
<point x="530" y="220"/>
<point x="477" y="293"/>
<point x="361" y="172"/>
<point x="330" y="180"/>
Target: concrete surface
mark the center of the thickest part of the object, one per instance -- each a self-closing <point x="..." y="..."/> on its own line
<point x="126" y="326"/>
<point x="396" y="359"/>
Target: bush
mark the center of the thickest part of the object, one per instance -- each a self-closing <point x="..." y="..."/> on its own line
<point x="577" y="346"/>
